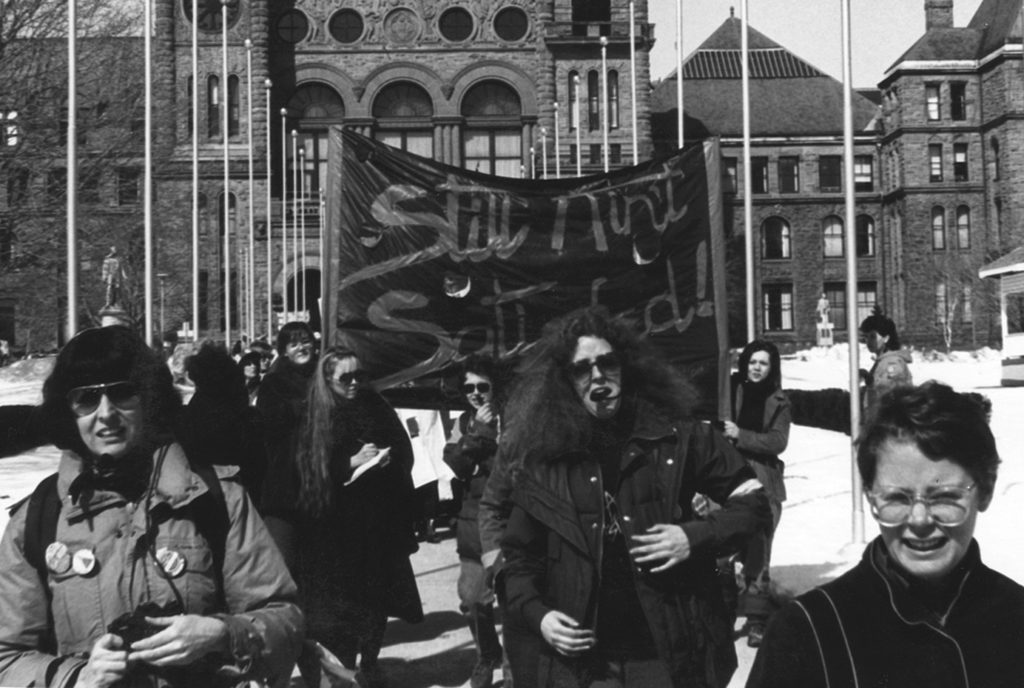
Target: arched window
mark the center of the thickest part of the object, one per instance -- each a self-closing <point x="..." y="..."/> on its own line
<point x="316" y="106"/>
<point x="213" y="107"/>
<point x="938" y="228"/>
<point x="233" y="106"/>
<point x="594" y="100"/>
<point x="493" y="136"/>
<point x="404" y="111"/>
<point x="963" y="227"/>
<point x="613" y="99"/>
<point x="574" y="111"/>
<point x="832" y="231"/>
<point x="775" y="239"/>
<point x="865" y="235"/>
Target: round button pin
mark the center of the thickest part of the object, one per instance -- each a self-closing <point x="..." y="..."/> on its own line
<point x="171" y="561"/>
<point x="58" y="557"/>
<point x="83" y="562"/>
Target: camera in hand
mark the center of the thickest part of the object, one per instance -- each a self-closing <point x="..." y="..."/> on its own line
<point x="133" y="627"/>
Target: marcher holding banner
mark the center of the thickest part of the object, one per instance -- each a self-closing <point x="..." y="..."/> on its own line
<point x="605" y="558"/>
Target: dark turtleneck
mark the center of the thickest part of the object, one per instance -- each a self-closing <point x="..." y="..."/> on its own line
<point x="127" y="476"/>
<point x="751" y="414"/>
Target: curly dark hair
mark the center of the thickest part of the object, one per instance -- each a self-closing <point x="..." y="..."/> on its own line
<point x="544" y="417"/>
<point x="775" y="374"/>
<point x="110" y="354"/>
<point x="942" y="423"/>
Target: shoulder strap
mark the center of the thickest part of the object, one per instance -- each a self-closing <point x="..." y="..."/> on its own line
<point x="836" y="655"/>
<point x="212" y="521"/>
<point x="41" y="516"/>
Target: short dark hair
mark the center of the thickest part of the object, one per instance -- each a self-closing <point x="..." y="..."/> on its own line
<point x="775" y="374"/>
<point x="942" y="423"/>
<point x="293" y="331"/>
<point x="110" y="354"/>
<point x="883" y="325"/>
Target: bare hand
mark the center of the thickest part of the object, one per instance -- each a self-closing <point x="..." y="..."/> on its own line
<point x="108" y="663"/>
<point x="731" y="430"/>
<point x="485" y="414"/>
<point x="184" y="639"/>
<point x="365" y="454"/>
<point x="563" y="633"/>
<point x="664" y="542"/>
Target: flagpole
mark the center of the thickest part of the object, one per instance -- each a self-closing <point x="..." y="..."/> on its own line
<point x="284" y="213"/>
<point x="302" y="228"/>
<point x="679" y="72"/>
<point x="857" y="525"/>
<point x="748" y="201"/>
<point x="270" y="233"/>
<point x="544" y="152"/>
<point x="579" y="153"/>
<point x="295" y="216"/>
<point x="195" y="170"/>
<point x="147" y="175"/>
<point x="225" y="97"/>
<point x="72" y="175"/>
<point x="604" y="101"/>
<point x="558" y="150"/>
<point x="632" y="77"/>
<point x="323" y="259"/>
<point x="251" y="265"/>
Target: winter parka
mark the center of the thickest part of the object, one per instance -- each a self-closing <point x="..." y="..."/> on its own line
<point x="553" y="543"/>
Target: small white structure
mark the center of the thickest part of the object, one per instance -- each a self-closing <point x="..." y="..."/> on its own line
<point x="1010" y="271"/>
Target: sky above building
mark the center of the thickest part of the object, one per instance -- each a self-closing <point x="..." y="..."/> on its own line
<point x="882" y="30"/>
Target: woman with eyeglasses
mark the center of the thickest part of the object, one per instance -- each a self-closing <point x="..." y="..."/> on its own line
<point x="151" y="570"/>
<point x="349" y="501"/>
<point x="920" y="609"/>
<point x="760" y="430"/>
<point x="471" y="458"/>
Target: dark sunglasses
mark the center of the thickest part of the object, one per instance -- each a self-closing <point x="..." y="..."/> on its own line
<point x="606" y="363"/>
<point x="481" y="387"/>
<point x="86" y="399"/>
<point x="349" y="378"/>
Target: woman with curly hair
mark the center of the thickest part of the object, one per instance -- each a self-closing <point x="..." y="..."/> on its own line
<point x="348" y="501"/>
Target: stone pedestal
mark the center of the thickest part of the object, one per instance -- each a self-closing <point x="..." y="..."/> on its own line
<point x="824" y="333"/>
<point x="114" y="315"/>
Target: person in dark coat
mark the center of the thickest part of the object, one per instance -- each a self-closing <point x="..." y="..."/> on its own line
<point x="759" y="428"/>
<point x="471" y="458"/>
<point x="605" y="559"/>
<point x="347" y="498"/>
<point x="920" y="609"/>
<point x="250" y="365"/>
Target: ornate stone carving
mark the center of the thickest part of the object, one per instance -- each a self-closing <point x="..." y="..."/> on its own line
<point x="402" y="26"/>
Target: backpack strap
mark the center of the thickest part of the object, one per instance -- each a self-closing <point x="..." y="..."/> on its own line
<point x="41" y="516"/>
<point x="212" y="521"/>
<point x="833" y="645"/>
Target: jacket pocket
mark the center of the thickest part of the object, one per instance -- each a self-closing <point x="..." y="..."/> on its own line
<point x="187" y="566"/>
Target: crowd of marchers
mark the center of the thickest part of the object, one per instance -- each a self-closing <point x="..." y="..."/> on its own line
<point x="607" y="537"/>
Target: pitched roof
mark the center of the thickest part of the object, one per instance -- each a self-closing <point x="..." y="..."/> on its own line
<point x="788" y="96"/>
<point x="994" y="24"/>
<point x="999" y="20"/>
<point x="1011" y="262"/>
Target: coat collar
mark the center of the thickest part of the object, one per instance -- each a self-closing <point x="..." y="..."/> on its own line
<point x="176" y="486"/>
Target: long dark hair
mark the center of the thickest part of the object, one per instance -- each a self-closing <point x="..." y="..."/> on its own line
<point x="774" y="378"/>
<point x="315" y="437"/>
<point x="110" y="354"/>
<point x="544" y="417"/>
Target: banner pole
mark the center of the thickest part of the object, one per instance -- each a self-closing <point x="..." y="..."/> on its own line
<point x="558" y="150"/>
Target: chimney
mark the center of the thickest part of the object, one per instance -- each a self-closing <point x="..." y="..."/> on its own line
<point x="938" y="14"/>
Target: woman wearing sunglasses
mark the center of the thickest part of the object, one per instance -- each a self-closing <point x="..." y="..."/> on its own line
<point x="471" y="457"/>
<point x="920" y="609"/>
<point x="129" y="536"/>
<point x="349" y="502"/>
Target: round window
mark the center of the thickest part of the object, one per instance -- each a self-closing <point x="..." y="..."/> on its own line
<point x="456" y="24"/>
<point x="346" y="26"/>
<point x="511" y="24"/>
<point x="292" y="27"/>
<point x="211" y="13"/>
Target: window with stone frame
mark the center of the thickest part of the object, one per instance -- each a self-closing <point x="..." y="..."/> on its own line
<point x="958" y="101"/>
<point x="865" y="236"/>
<point x="573" y="96"/>
<point x="935" y="162"/>
<point x="492" y="136"/>
<point x="759" y="175"/>
<point x="613" y="99"/>
<point x="213" y="98"/>
<point x="830" y="173"/>
<point x="129" y="186"/>
<point x="832" y="235"/>
<point x="10" y="132"/>
<point x="963" y="227"/>
<point x="941" y="303"/>
<point x="863" y="173"/>
<point x="17" y="186"/>
<point x="775" y="239"/>
<point x="789" y="174"/>
<point x="867" y="299"/>
<point x="933" y="101"/>
<point x="594" y="100"/>
<point x="234" y="107"/>
<point x="938" y="228"/>
<point x="960" y="168"/>
<point x="835" y="292"/>
<point x="777" y="307"/>
<point x="730" y="183"/>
